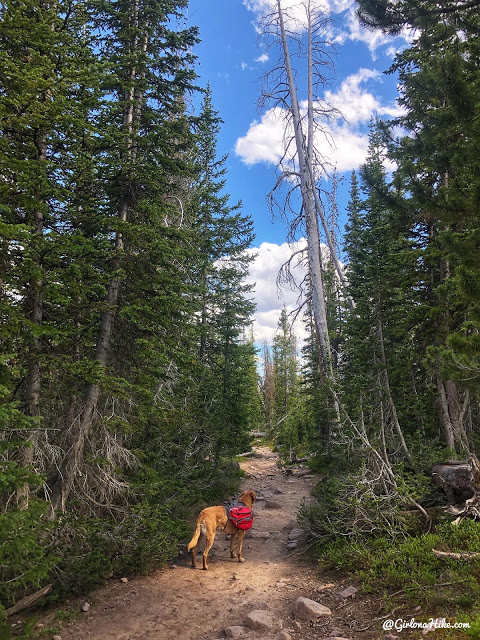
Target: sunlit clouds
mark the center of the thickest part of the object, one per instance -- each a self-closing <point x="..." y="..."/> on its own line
<point x="343" y="140"/>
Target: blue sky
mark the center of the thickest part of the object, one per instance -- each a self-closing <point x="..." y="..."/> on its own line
<point x="232" y="57"/>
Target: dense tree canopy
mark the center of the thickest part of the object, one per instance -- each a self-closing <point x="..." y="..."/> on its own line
<point x="126" y="374"/>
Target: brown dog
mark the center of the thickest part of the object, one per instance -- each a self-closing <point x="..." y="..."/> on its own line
<point x="212" y="518"/>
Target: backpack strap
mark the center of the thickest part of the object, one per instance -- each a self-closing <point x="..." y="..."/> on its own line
<point x="227" y="511"/>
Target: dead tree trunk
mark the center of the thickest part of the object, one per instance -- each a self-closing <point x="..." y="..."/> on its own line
<point x="386" y="389"/>
<point x="306" y="189"/>
<point x="309" y="165"/>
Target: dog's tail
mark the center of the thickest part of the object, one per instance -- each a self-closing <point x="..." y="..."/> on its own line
<point x="193" y="542"/>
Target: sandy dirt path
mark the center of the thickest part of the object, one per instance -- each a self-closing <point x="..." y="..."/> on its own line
<point x="180" y="603"/>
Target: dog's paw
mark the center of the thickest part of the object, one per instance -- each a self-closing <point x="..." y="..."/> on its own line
<point x="241" y="559"/>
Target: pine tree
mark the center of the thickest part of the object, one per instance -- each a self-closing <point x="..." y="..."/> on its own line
<point x="438" y="170"/>
<point x="392" y="16"/>
<point x="284" y="368"/>
<point x="288" y="407"/>
<point x="222" y="235"/>
<point x="137" y="122"/>
<point x="268" y="389"/>
<point x="47" y="102"/>
<point x="253" y="403"/>
<point x="382" y="270"/>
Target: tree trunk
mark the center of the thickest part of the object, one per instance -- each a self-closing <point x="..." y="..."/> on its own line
<point x="452" y="415"/>
<point x="306" y="188"/>
<point x="34" y="374"/>
<point x="388" y="393"/>
<point x="310" y="160"/>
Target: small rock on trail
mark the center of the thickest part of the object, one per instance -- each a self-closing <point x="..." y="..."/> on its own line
<point x="295" y="534"/>
<point x="349" y="592"/>
<point x="271" y="504"/>
<point x="262" y="620"/>
<point x="307" y="609"/>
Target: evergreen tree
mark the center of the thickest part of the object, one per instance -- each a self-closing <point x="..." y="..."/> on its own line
<point x="438" y="173"/>
<point x="284" y="368"/>
<point x="221" y="235"/>
<point x="253" y="398"/>
<point x="268" y="389"/>
<point x="288" y="413"/>
<point x="379" y="361"/>
<point x="138" y="121"/>
<point x="315" y="396"/>
<point x="391" y="16"/>
<point x="46" y="111"/>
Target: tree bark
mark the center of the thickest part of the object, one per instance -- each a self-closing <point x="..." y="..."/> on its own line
<point x="28" y="601"/>
<point x="310" y="158"/>
<point x="452" y="414"/>
<point x="465" y="555"/>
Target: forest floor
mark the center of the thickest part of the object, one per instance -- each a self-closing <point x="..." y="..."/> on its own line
<point x="180" y="603"/>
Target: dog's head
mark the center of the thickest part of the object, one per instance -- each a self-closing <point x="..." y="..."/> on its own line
<point x="248" y="498"/>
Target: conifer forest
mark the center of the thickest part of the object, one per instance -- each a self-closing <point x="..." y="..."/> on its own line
<point x="130" y="377"/>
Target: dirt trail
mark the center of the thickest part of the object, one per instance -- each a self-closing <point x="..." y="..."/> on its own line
<point x="180" y="603"/>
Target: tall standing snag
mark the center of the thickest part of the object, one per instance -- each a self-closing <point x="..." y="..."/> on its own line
<point x="303" y="125"/>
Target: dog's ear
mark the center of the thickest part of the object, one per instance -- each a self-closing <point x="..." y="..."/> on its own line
<point x="253" y="495"/>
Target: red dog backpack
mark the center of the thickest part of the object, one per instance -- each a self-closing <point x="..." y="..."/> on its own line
<point x="241" y="517"/>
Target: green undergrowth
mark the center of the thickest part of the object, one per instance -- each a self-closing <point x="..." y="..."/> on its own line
<point x="407" y="567"/>
<point x="381" y="541"/>
<point x="147" y="534"/>
<point x="410" y="565"/>
<point x="83" y="551"/>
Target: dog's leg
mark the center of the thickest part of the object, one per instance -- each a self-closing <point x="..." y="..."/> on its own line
<point x="232" y="542"/>
<point x="194" y="551"/>
<point x="210" y="535"/>
<point x="241" y="535"/>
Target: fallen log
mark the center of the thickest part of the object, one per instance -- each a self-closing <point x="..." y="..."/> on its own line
<point x="464" y="555"/>
<point x="26" y="602"/>
<point x="247" y="454"/>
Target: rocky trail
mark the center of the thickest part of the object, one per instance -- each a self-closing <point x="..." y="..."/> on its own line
<point x="180" y="603"/>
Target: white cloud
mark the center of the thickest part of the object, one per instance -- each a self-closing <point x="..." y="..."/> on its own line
<point x="343" y="141"/>
<point x="294" y="10"/>
<point x="356" y="104"/>
<point x="338" y="143"/>
<point x="269" y="299"/>
<point x="372" y="38"/>
<point x="351" y="29"/>
<point x="392" y="51"/>
<point x="243" y="66"/>
<point x="263" y="58"/>
<point x="263" y="142"/>
<point x="344" y="147"/>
